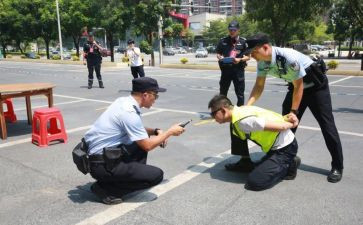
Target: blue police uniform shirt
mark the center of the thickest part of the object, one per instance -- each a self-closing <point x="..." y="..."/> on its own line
<point x="286" y="63"/>
<point x="120" y="124"/>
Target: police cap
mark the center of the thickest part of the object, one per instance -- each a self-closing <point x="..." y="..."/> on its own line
<point x="233" y="25"/>
<point x="255" y="41"/>
<point x="144" y="84"/>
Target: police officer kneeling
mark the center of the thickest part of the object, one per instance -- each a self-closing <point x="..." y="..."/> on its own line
<point x="118" y="144"/>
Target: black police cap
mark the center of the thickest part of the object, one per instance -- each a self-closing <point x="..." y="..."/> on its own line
<point x="254" y="41"/>
<point x="144" y="84"/>
<point x="233" y="25"/>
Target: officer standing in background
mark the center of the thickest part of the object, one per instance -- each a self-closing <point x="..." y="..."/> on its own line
<point x="91" y="52"/>
<point x="308" y="87"/>
<point x="232" y="63"/>
<point x="134" y="55"/>
<point x="118" y="144"/>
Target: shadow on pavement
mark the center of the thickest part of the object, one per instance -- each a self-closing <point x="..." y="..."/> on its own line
<point x="82" y="194"/>
<point x="20" y="127"/>
<point x="348" y="110"/>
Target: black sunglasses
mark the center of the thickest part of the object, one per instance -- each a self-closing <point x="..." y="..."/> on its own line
<point x="213" y="113"/>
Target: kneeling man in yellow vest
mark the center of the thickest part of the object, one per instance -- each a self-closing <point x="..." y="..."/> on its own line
<point x="271" y="131"/>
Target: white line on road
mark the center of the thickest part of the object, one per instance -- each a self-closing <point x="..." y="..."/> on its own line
<point x="25" y="140"/>
<point x="41" y="106"/>
<point x="345" y="78"/>
<point x="346" y="86"/>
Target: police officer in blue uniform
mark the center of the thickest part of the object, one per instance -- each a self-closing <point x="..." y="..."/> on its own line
<point x="118" y="144"/>
<point x="232" y="63"/>
<point x="91" y="52"/>
<point x="308" y="88"/>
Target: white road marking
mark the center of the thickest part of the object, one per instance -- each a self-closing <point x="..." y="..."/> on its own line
<point x="41" y="106"/>
<point x="345" y="86"/>
<point x="340" y="132"/>
<point x="25" y="140"/>
<point x="345" y="78"/>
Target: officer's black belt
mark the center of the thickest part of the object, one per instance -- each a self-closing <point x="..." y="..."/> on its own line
<point x="96" y="158"/>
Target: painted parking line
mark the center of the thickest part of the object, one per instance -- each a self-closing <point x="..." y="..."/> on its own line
<point x="340" y="80"/>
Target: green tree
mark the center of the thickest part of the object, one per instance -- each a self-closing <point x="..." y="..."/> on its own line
<point x="278" y="17"/>
<point x="147" y="15"/>
<point x="74" y="18"/>
<point x="115" y="17"/>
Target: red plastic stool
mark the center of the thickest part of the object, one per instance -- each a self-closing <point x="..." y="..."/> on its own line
<point x="42" y="133"/>
<point x="9" y="114"/>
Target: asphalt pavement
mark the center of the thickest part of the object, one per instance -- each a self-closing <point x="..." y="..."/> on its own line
<point x="43" y="186"/>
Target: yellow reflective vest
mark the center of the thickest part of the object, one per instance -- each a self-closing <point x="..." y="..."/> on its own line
<point x="263" y="138"/>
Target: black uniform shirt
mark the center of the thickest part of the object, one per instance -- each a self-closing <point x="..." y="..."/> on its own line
<point x="227" y="44"/>
<point x="92" y="55"/>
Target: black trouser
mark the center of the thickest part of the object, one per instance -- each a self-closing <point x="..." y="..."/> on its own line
<point x="318" y="100"/>
<point x="237" y="75"/>
<point x="94" y="66"/>
<point x="129" y="175"/>
<point x="137" y="71"/>
<point x="272" y="168"/>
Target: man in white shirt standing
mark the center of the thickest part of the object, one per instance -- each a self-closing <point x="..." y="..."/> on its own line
<point x="134" y="55"/>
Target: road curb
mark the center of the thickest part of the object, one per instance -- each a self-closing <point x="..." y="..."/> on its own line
<point x="250" y="69"/>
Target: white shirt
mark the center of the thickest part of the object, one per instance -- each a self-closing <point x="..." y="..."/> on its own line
<point x="134" y="56"/>
<point x="254" y="123"/>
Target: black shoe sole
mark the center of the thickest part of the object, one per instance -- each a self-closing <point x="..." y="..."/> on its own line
<point x="297" y="164"/>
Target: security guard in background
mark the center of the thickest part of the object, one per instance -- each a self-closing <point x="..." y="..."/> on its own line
<point x="118" y="144"/>
<point x="269" y="130"/>
<point x="308" y="87"/>
<point x="91" y="52"/>
<point x="232" y="63"/>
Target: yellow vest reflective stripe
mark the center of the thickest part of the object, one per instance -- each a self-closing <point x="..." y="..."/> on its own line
<point x="263" y="138"/>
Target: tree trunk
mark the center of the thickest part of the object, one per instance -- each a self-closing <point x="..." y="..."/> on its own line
<point x="350" y="46"/>
<point x="47" y="47"/>
<point x="76" y="44"/>
<point x="18" y="45"/>
<point x="150" y="40"/>
<point x="4" y="50"/>
<point x="110" y="41"/>
<point x="339" y="44"/>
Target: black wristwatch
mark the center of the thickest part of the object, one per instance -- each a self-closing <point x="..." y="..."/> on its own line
<point x="294" y="111"/>
<point x="156" y="131"/>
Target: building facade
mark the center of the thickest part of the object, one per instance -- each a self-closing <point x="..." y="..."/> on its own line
<point x="225" y="7"/>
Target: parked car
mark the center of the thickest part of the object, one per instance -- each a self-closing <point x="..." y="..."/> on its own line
<point x="180" y="50"/>
<point x="201" y="53"/>
<point x="211" y="49"/>
<point x="31" y="55"/>
<point x="66" y="55"/>
<point x="120" y="50"/>
<point x="188" y="49"/>
<point x="168" y="51"/>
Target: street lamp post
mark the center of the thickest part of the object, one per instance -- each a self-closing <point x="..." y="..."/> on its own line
<point x="59" y="31"/>
<point x="160" y="25"/>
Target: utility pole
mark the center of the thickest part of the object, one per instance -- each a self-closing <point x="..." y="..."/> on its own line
<point x="59" y="31"/>
<point x="160" y="26"/>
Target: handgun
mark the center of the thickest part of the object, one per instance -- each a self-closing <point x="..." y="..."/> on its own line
<point x="185" y="123"/>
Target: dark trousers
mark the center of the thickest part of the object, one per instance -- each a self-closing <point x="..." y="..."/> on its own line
<point x="319" y="103"/>
<point x="237" y="75"/>
<point x="137" y="71"/>
<point x="272" y="168"/>
<point x="129" y="175"/>
<point x="94" y="67"/>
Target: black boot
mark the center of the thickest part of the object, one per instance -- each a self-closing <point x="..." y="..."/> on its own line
<point x="292" y="172"/>
<point x="100" y="83"/>
<point x="90" y="82"/>
<point x="243" y="165"/>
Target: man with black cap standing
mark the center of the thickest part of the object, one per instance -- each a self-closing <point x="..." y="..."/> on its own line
<point x="91" y="52"/>
<point x="134" y="55"/>
<point x="232" y="63"/>
<point x="118" y="144"/>
<point x="308" y="87"/>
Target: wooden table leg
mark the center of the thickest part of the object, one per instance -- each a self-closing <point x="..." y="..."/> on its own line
<point x="4" y="133"/>
<point x="29" y="109"/>
<point x="50" y="98"/>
